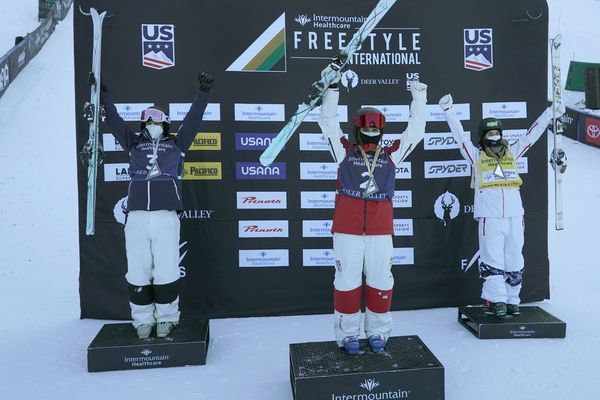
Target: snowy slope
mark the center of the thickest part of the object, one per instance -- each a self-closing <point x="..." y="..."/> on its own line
<point x="17" y="18"/>
<point x="43" y="346"/>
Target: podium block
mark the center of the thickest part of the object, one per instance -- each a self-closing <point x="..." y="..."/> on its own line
<point x="406" y="369"/>
<point x="117" y="347"/>
<point x="533" y="322"/>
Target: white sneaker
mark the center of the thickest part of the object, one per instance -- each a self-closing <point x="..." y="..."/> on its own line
<point x="164" y="328"/>
<point x="144" y="331"/>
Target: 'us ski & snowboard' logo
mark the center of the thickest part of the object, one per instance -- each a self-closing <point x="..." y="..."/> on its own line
<point x="158" y="46"/>
<point x="478" y="49"/>
<point x="267" y="53"/>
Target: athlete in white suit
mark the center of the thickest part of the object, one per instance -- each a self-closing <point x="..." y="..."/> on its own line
<point x="498" y="206"/>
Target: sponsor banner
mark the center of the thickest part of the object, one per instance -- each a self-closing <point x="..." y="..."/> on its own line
<point x="206" y="141"/>
<point x="118" y="172"/>
<point x="317" y="199"/>
<point x="402" y="198"/>
<point x="512" y="135"/>
<point x="389" y="138"/>
<point x="264" y="258"/>
<point x="522" y="165"/>
<point x="261" y="200"/>
<point x="440" y="141"/>
<point x="447" y="169"/>
<point x="158" y="46"/>
<point x="393" y="113"/>
<point x="404" y="170"/>
<point x="318" y="258"/>
<point x="446" y="207"/>
<point x="196" y="214"/>
<point x="313" y="116"/>
<point x="262" y="228"/>
<point x="479" y="50"/>
<point x="403" y="256"/>
<point x="253" y="141"/>
<point x="202" y="171"/>
<point x="132" y="111"/>
<point x="317" y="228"/>
<point x="259" y="112"/>
<point x="4" y="74"/>
<point x="509" y="110"/>
<point x="592" y="131"/>
<point x="403" y="227"/>
<point x="256" y="171"/>
<point x="109" y="143"/>
<point x="318" y="171"/>
<point x="434" y="113"/>
<point x="313" y="142"/>
<point x="178" y="111"/>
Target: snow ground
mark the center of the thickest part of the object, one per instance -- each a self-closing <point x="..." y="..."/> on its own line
<point x="17" y="18"/>
<point x="43" y="351"/>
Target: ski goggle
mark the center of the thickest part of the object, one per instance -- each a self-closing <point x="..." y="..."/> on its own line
<point x="154" y="115"/>
<point x="369" y="120"/>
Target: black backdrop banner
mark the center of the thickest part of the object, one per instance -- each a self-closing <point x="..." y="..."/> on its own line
<point x="256" y="241"/>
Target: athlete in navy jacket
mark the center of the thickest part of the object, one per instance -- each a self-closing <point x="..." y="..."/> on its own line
<point x="152" y="227"/>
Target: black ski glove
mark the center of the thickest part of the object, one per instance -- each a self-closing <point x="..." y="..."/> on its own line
<point x="206" y="82"/>
<point x="92" y="81"/>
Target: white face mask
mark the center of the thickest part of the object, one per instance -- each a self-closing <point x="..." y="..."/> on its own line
<point x="494" y="138"/>
<point x="370" y="133"/>
<point x="155" y="131"/>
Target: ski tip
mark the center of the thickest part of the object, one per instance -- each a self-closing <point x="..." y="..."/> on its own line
<point x="265" y="161"/>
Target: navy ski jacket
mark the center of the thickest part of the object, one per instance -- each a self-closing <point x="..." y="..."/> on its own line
<point x="161" y="192"/>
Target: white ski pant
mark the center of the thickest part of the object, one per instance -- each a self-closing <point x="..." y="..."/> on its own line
<point x="152" y="245"/>
<point x="501" y="244"/>
<point x="355" y="255"/>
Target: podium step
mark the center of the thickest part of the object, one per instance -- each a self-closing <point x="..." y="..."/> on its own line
<point x="533" y="322"/>
<point x="117" y="347"/>
<point x="405" y="370"/>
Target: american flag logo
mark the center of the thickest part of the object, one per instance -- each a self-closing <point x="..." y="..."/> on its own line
<point x="158" y="46"/>
<point x="478" y="49"/>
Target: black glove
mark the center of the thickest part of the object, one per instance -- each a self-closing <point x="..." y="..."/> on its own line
<point x="206" y="82"/>
<point x="92" y="81"/>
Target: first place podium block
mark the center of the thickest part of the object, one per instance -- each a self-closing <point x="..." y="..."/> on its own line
<point x="117" y="347"/>
<point x="406" y="369"/>
<point x="533" y="322"/>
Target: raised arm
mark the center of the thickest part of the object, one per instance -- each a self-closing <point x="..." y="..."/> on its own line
<point x="467" y="149"/>
<point x="415" y="131"/>
<point x="520" y="147"/>
<point x="328" y="120"/>
<point x="191" y="122"/>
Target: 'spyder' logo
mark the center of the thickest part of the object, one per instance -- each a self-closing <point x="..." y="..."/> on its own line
<point x="446" y="207"/>
<point x="267" y="53"/>
<point x="158" y="46"/>
<point x="478" y="49"/>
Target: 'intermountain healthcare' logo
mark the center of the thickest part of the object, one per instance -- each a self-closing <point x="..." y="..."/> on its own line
<point x="158" y="46"/>
<point x="479" y="53"/>
<point x="267" y="53"/>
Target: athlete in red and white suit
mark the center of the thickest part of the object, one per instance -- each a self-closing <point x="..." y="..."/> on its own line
<point x="363" y="226"/>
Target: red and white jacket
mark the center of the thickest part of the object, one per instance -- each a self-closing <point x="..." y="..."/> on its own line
<point x="495" y="202"/>
<point x="362" y="216"/>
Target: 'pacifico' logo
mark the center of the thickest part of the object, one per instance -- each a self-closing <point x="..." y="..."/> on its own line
<point x="202" y="171"/>
<point x="207" y="141"/>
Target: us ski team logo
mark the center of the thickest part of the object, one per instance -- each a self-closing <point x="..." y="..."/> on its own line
<point x="267" y="53"/>
<point x="158" y="46"/>
<point x="478" y="49"/>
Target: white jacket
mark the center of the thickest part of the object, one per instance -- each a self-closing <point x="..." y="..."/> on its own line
<point x="494" y="202"/>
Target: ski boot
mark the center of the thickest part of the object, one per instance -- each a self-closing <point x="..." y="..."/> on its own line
<point x="351" y="345"/>
<point x="513" y="309"/>
<point x="377" y="343"/>
<point x="164" y="328"/>
<point x="144" y="331"/>
<point x="496" y="309"/>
